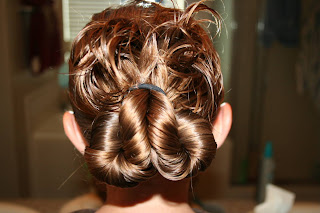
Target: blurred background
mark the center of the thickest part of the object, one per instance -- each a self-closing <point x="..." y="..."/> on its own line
<point x="270" y="59"/>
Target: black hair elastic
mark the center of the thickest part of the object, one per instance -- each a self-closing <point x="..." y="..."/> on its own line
<point x="147" y="86"/>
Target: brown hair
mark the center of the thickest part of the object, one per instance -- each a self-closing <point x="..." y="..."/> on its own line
<point x="134" y="134"/>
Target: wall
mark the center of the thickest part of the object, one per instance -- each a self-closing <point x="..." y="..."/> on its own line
<point x="289" y="120"/>
<point x="9" y="166"/>
<point x="267" y="106"/>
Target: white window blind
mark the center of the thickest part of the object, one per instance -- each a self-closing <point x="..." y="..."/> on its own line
<point x="77" y="13"/>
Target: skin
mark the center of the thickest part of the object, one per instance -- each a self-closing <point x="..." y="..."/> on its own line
<point x="157" y="194"/>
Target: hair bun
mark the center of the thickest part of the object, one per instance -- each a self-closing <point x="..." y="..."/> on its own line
<point x="119" y="152"/>
<point x="144" y="137"/>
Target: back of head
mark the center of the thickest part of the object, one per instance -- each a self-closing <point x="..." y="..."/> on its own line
<point x="134" y="134"/>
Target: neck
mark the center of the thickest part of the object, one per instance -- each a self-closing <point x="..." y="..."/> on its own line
<point x="154" y="195"/>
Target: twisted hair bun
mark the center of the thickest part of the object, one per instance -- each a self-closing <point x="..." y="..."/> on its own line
<point x="136" y="134"/>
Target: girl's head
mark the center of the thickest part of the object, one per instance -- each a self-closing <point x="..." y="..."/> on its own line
<point x="131" y="133"/>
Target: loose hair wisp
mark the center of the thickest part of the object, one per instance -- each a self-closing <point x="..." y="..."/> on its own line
<point x="135" y="134"/>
